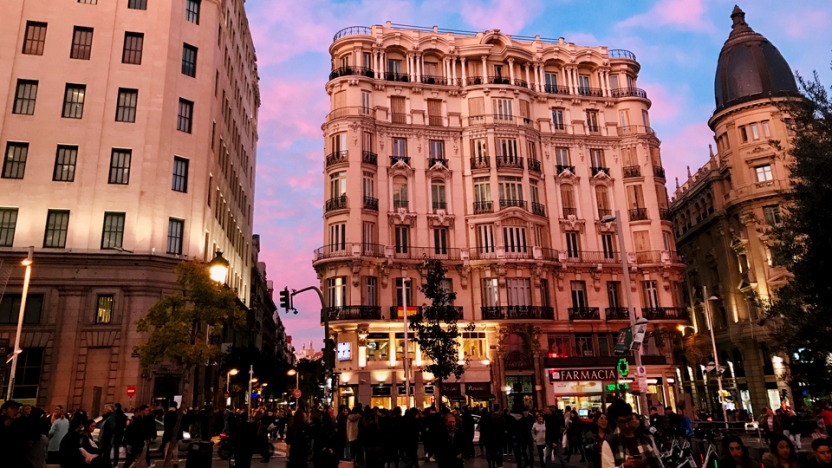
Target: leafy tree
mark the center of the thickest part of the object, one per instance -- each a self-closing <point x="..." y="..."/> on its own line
<point x="175" y="324"/>
<point x="435" y="328"/>
<point x="801" y="309"/>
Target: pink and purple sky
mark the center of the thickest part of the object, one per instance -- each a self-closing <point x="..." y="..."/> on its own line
<point x="677" y="43"/>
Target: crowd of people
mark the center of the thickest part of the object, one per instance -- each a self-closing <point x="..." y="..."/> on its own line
<point x="380" y="438"/>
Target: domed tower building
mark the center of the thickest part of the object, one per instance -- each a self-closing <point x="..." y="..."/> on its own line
<point x="723" y="215"/>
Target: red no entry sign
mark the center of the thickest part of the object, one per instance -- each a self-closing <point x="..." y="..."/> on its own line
<point x="131" y="390"/>
<point x="296" y="393"/>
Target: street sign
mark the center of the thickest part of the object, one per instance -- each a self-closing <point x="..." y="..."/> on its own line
<point x="641" y="371"/>
<point x="131" y="390"/>
<point x="296" y="393"/>
<point x="640" y="330"/>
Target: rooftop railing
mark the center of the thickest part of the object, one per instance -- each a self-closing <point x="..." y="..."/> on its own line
<point x="622" y="54"/>
<point x="352" y="31"/>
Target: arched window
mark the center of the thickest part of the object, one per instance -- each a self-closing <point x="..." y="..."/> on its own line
<point x="437" y="194"/>
<point x="567" y="196"/>
<point x="400" y="192"/>
<point x="602" y="198"/>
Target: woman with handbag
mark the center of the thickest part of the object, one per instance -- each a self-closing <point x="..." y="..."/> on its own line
<point x="594" y="439"/>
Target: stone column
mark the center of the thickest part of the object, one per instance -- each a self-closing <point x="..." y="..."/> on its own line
<point x="511" y="70"/>
<point x="484" y="69"/>
<point x="418" y="67"/>
<point x="462" y="60"/>
<point x="528" y="81"/>
<point x="453" y="73"/>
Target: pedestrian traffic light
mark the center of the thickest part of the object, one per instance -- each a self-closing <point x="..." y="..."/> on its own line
<point x="286" y="300"/>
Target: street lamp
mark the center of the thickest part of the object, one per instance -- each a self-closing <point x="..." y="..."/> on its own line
<point x="292" y="372"/>
<point x="218" y="268"/>
<point x="642" y="399"/>
<point x="28" y="264"/>
<point x="251" y="381"/>
<point x="716" y="355"/>
<point x="228" y="380"/>
<point x="682" y="328"/>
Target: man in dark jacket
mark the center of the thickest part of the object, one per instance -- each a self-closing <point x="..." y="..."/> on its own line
<point x="107" y="431"/>
<point x="169" y="421"/>
<point x="822" y="454"/>
<point x="118" y="432"/>
<point x="468" y="430"/>
<point x="554" y="435"/>
<point x="451" y="445"/>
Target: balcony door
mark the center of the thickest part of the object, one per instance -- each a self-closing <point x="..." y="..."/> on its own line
<point x="337" y="291"/>
<point x="519" y="291"/>
<point x="485" y="238"/>
<point x="579" y="300"/>
<point x="514" y="238"/>
<point x="613" y="295"/>
<point x="651" y="294"/>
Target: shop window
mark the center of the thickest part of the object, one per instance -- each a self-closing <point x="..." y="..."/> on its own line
<point x="474" y="345"/>
<point x="583" y="344"/>
<point x="378" y="347"/>
<point x="560" y="346"/>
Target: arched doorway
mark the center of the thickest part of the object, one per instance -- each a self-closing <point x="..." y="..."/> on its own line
<point x="519" y="371"/>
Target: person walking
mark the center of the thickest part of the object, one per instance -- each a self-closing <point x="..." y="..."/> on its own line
<point x="264" y="421"/>
<point x="594" y="439"/>
<point x="822" y="452"/>
<point x="409" y="439"/>
<point x="324" y="455"/>
<point x="781" y="454"/>
<point x="554" y="437"/>
<point x="12" y="435"/>
<point x="107" y="431"/>
<point x="372" y="439"/>
<point x="298" y="438"/>
<point x="770" y="424"/>
<point x="628" y="448"/>
<point x="244" y="442"/>
<point x="734" y="453"/>
<point x="353" y="420"/>
<point x="539" y="438"/>
<point x="59" y="428"/>
<point x="118" y="433"/>
<point x="451" y="445"/>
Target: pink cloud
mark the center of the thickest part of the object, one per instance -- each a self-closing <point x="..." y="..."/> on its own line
<point x="686" y="148"/>
<point x="666" y="105"/>
<point x="293" y="109"/>
<point x="687" y="15"/>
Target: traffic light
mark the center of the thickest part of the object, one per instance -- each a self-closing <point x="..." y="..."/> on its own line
<point x="286" y="300"/>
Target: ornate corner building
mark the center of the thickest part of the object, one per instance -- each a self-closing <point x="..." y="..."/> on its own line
<point x="128" y="131"/>
<point x="498" y="155"/>
<point x="723" y="215"/>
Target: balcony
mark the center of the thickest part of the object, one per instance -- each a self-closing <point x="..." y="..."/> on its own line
<point x="567" y="212"/>
<point x="336" y="157"/>
<point x="399" y="203"/>
<point x="500" y="119"/>
<point x="356" y="111"/>
<point x="517" y="313"/>
<point x="508" y="203"/>
<point x="473" y="80"/>
<point x="398" y="118"/>
<point x="480" y="163"/>
<point x="356" y="312"/>
<point x="351" y="71"/>
<point x="510" y="162"/>
<point x="482" y="253"/>
<point x="617" y="313"/>
<point x="435" y="80"/>
<point x="439" y="205"/>
<point x="593" y="129"/>
<point x="352" y="31"/>
<point x="665" y="313"/>
<point x="658" y="171"/>
<point x="635" y="130"/>
<point x="407" y="252"/>
<point x="555" y="89"/>
<point x="436" y="121"/>
<point x="371" y="203"/>
<point x="657" y="256"/>
<point x="560" y="168"/>
<point x="343" y="249"/>
<point x="434" y="161"/>
<point x="638" y="214"/>
<point x="336" y="203"/>
<point x="549" y="254"/>
<point x="520" y="83"/>
<point x="599" y="169"/>
<point x="396" y="76"/>
<point x="586" y="91"/>
<point x="538" y="209"/>
<point x="628" y="92"/>
<point x="664" y="214"/>
<point x="395" y="159"/>
<point x="632" y="171"/>
<point x="604" y="212"/>
<point x="450" y="312"/>
<point x="499" y="80"/>
<point x="592" y="257"/>
<point x="534" y="165"/>
<point x="481" y="207"/>
<point x="368" y="157"/>
<point x="584" y="313"/>
<point x="558" y="127"/>
<point x="622" y="54"/>
<point x="517" y="252"/>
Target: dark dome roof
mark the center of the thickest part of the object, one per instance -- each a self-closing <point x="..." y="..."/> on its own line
<point x="750" y="67"/>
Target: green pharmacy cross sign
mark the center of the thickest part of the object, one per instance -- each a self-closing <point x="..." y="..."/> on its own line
<point x="617" y="387"/>
<point x="623" y="367"/>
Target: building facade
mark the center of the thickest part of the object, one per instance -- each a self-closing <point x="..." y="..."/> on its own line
<point x="498" y="156"/>
<point x="128" y="132"/>
<point x="723" y="215"/>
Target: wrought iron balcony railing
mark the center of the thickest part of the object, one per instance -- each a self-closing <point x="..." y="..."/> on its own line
<point x="510" y="161"/>
<point x="638" y="214"/>
<point x="483" y="207"/>
<point x="665" y="313"/>
<point x="353" y="312"/>
<point x="508" y="203"/>
<point x="336" y="203"/>
<point x="480" y="163"/>
<point x="584" y="313"/>
<point x="538" y="209"/>
<point x="368" y="157"/>
<point x="336" y="157"/>
<point x="395" y="159"/>
<point x="632" y="171"/>
<point x="517" y="313"/>
<point x="534" y="165"/>
<point x="617" y="313"/>
<point x="371" y="203"/>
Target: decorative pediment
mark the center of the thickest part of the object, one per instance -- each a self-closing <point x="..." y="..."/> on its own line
<point x="566" y="176"/>
<point x="401" y="216"/>
<point x="439" y="169"/>
<point x="572" y="223"/>
<point x="441" y="219"/>
<point x="606" y="227"/>
<point x="400" y="168"/>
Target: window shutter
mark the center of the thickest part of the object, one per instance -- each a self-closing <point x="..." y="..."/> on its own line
<point x="476" y="107"/>
<point x="397" y="104"/>
<point x="524" y="109"/>
<point x="568" y="196"/>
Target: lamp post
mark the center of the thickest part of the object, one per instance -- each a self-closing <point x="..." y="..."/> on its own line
<point x="292" y="372"/>
<point x="28" y="264"/>
<point x="716" y="356"/>
<point x="406" y="363"/>
<point x="642" y="398"/>
<point x="218" y="268"/>
<point x="251" y="380"/>
<point x="228" y="383"/>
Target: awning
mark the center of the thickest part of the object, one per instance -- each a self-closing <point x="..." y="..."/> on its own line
<point x="479" y="390"/>
<point x="451" y="391"/>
